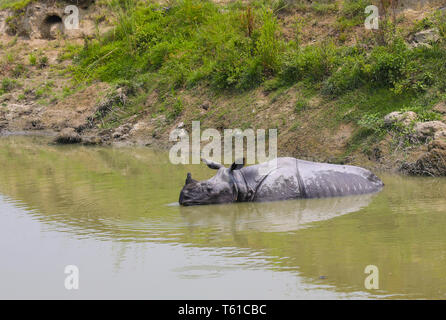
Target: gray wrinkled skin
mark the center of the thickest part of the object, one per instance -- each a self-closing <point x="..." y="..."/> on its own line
<point x="289" y="179"/>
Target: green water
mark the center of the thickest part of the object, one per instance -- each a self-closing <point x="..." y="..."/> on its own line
<point x="113" y="213"/>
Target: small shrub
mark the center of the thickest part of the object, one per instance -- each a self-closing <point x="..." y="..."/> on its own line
<point x="268" y="45"/>
<point x="313" y="62"/>
<point x="272" y="84"/>
<point x="10" y="57"/>
<point x="372" y="122"/>
<point x="348" y="77"/>
<point x="301" y="105"/>
<point x="7" y="85"/>
<point x="231" y="64"/>
<point x="354" y="9"/>
<point x="43" y="61"/>
<point x="387" y="63"/>
<point x="295" y="126"/>
<point x="32" y="59"/>
<point x="18" y="70"/>
<point x="40" y="92"/>
<point x="324" y="7"/>
<point x="352" y="14"/>
<point x="423" y="24"/>
<point x="440" y="23"/>
<point x="177" y="109"/>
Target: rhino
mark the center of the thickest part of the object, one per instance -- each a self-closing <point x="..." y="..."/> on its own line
<point x="278" y="179"/>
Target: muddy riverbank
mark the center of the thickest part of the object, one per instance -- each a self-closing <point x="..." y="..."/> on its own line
<point x="47" y="87"/>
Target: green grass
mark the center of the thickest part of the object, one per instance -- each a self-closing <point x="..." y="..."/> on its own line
<point x="325" y="7"/>
<point x="192" y="42"/>
<point x="301" y="105"/>
<point x="352" y="14"/>
<point x="32" y="59"/>
<point x="14" y="4"/>
<point x="7" y="84"/>
<point x="239" y="47"/>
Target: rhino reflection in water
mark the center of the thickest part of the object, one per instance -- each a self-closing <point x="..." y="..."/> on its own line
<point x="281" y="216"/>
<point x="288" y="178"/>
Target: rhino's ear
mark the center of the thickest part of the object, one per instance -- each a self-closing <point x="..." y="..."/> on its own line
<point x="212" y="164"/>
<point x="238" y="164"/>
<point x="189" y="178"/>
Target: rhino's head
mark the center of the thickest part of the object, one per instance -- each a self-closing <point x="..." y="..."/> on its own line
<point x="219" y="189"/>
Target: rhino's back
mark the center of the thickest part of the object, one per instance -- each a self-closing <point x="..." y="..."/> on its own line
<point x="329" y="180"/>
<point x="290" y="178"/>
<point x="274" y="180"/>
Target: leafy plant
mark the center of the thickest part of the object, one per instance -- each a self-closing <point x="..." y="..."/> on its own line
<point x="43" y="61"/>
<point x="7" y="85"/>
<point x="32" y="59"/>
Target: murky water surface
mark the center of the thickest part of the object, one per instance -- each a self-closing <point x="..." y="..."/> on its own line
<point x="112" y="213"/>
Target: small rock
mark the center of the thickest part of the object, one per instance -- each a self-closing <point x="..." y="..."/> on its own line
<point x="437" y="144"/>
<point x="425" y="37"/>
<point x="440" y="108"/>
<point x="432" y="163"/>
<point x="406" y="118"/>
<point x="68" y="136"/>
<point x="440" y="135"/>
<point x="161" y="119"/>
<point x="182" y="133"/>
<point x="138" y="126"/>
<point x="116" y="135"/>
<point x="122" y="130"/>
<point x="424" y="130"/>
<point x="91" y="140"/>
<point x="206" y="105"/>
<point x="180" y="125"/>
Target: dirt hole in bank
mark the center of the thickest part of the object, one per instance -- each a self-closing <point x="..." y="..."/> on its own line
<point x="51" y="26"/>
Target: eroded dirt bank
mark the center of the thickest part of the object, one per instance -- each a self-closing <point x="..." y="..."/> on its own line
<point x="39" y="94"/>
